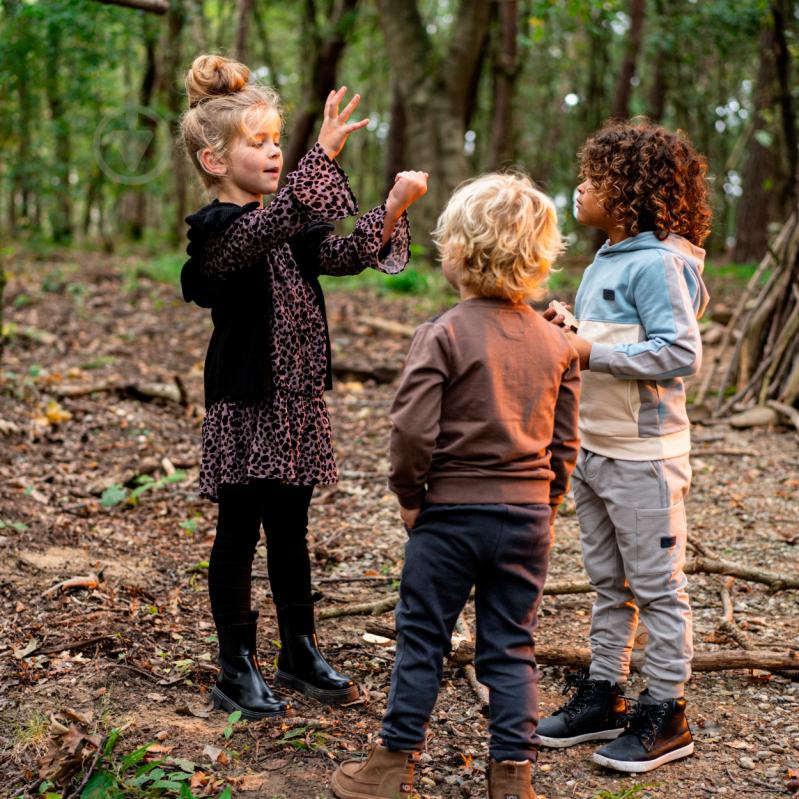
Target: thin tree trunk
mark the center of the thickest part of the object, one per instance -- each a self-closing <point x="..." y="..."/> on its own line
<point x="152" y="6"/>
<point x="149" y="87"/>
<point x="396" y="140"/>
<point x="506" y="70"/>
<point x="782" y="12"/>
<point x="61" y="213"/>
<point x="322" y="76"/>
<point x="656" y="104"/>
<point x="172" y="69"/>
<point x="242" y="29"/>
<point x="266" y="49"/>
<point x="756" y="206"/>
<point x="624" y="86"/>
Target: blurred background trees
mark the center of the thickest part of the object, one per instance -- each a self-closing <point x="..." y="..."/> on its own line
<point x="92" y="92"/>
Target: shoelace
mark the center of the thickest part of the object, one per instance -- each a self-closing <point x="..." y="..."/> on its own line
<point x="583" y="689"/>
<point x="645" y="722"/>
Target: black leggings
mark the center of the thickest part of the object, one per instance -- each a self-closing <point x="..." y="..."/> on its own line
<point x="283" y="511"/>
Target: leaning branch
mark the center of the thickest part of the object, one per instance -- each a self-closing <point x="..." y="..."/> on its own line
<point x="152" y="6"/>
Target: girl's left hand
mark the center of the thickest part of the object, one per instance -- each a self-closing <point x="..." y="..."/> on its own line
<point x="335" y="130"/>
<point x="407" y="189"/>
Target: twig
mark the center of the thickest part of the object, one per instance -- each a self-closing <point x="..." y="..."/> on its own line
<point x="786" y="410"/>
<point x="98" y="754"/>
<point x="727" y="624"/>
<point x="387" y="326"/>
<point x="360" y="609"/>
<point x="480" y="691"/>
<point x="73" y="646"/>
<point x="774" y="580"/>
<point x="89" y="581"/>
<point x="723" y="660"/>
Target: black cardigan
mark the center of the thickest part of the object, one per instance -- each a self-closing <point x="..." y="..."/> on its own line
<point x="237" y="364"/>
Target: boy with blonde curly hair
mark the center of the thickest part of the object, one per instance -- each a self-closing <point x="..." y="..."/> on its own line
<point x="484" y="438"/>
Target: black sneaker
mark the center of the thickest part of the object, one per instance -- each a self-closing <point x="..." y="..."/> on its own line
<point x="656" y="734"/>
<point x="596" y="712"/>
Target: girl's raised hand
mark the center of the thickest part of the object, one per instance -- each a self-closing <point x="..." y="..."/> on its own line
<point x="335" y="129"/>
<point x="407" y="189"/>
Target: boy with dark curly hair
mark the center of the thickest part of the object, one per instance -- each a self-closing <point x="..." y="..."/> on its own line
<point x="637" y="306"/>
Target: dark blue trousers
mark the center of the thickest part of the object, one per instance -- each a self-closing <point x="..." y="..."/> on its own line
<point x="501" y="550"/>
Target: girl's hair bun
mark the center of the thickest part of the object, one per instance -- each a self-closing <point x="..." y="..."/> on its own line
<point x="214" y="76"/>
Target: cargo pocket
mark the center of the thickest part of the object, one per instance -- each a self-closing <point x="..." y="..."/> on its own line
<point x="660" y="540"/>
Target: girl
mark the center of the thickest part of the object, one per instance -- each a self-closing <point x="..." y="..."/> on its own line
<point x="266" y="434"/>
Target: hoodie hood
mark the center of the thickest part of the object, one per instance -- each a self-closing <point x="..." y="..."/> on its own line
<point x="691" y="256"/>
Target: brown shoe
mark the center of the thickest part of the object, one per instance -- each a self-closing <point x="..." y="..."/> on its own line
<point x="509" y="780"/>
<point x="383" y="775"/>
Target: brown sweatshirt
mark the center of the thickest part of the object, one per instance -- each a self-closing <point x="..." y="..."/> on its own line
<point x="486" y="410"/>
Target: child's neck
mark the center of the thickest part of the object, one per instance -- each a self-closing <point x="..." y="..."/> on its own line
<point x="615" y="235"/>
<point x="233" y="194"/>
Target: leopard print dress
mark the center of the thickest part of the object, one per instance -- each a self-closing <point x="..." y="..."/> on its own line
<point x="287" y="436"/>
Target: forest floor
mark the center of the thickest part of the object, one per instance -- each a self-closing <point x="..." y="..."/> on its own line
<point x="136" y="652"/>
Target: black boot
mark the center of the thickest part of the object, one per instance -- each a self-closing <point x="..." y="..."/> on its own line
<point x="240" y="684"/>
<point x="657" y="733"/>
<point x="596" y="712"/>
<point x="300" y="664"/>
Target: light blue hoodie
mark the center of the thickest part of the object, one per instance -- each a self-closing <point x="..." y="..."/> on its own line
<point x="638" y="303"/>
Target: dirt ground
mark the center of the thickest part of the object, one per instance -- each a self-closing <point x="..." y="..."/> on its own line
<point x="137" y="650"/>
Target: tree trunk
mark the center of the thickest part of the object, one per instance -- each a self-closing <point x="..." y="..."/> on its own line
<point x="396" y="140"/>
<point x="436" y="94"/>
<point x="172" y="70"/>
<point x="61" y="212"/>
<point x="242" y="28"/>
<point x="656" y="103"/>
<point x="149" y="86"/>
<point x="756" y="206"/>
<point x="506" y="70"/>
<point x="321" y="77"/>
<point x="782" y="13"/>
<point x="624" y="86"/>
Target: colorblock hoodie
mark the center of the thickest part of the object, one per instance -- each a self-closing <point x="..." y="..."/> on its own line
<point x="639" y="303"/>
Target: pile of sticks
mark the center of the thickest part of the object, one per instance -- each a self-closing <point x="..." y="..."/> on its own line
<point x="763" y="369"/>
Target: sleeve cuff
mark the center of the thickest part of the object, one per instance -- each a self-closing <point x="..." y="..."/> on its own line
<point x="321" y="185"/>
<point x="412" y="501"/>
<point x="599" y="360"/>
<point x="396" y="252"/>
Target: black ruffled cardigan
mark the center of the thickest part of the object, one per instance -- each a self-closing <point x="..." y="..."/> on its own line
<point x="238" y="364"/>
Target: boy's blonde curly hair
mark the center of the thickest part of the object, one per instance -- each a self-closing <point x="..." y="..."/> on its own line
<point x="502" y="232"/>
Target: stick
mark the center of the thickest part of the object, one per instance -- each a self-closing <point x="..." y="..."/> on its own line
<point x="727" y="624"/>
<point x="480" y="691"/>
<point x="786" y="410"/>
<point x="153" y="6"/>
<point x="89" y="581"/>
<point x="388" y="603"/>
<point x="723" y="660"/>
<point x="774" y="580"/>
<point x="71" y="647"/>
<point x="387" y="326"/>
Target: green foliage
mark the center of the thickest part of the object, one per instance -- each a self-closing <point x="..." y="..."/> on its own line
<point x="232" y="720"/>
<point x="116" y="494"/>
<point x="133" y="776"/>
<point x="633" y="792"/>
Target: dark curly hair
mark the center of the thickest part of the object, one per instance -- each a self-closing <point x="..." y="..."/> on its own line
<point x="649" y="178"/>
